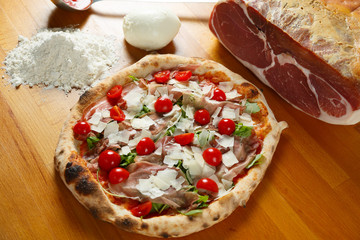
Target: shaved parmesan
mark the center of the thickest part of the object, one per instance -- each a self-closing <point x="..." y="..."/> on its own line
<point x="142" y="123"/>
<point x="226" y="86"/>
<point x="111" y="127"/>
<point x="190" y="110"/>
<point x="105" y="113"/>
<point x="229" y="159"/>
<point x="226" y="141"/>
<point x="163" y="91"/>
<point x="216" y="113"/>
<point x="231" y="95"/>
<point x="206" y="89"/>
<point x="99" y="127"/>
<point x="125" y="150"/>
<point x="175" y="109"/>
<point x="133" y="99"/>
<point x="95" y="118"/>
<point x="228" y="113"/>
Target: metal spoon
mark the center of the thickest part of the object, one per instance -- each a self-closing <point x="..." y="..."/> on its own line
<point x="82" y="5"/>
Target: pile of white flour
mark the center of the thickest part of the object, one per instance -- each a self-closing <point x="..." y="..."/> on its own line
<point x="66" y="58"/>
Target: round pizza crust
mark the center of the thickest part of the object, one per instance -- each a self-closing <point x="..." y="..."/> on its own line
<point x="73" y="171"/>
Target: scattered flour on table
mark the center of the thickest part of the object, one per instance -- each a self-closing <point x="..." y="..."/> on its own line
<point x="63" y="58"/>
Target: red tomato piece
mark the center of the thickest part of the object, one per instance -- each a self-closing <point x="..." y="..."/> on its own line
<point x="82" y="128"/>
<point x="184" y="139"/>
<point x="117" y="114"/>
<point x="207" y="184"/>
<point x="114" y="92"/>
<point x="162" y="76"/>
<point x="108" y="160"/>
<point x="212" y="156"/>
<point x="163" y="105"/>
<point x="183" y="76"/>
<point x="226" y="126"/>
<point x="142" y="209"/>
<point x="202" y="116"/>
<point x="118" y="175"/>
<point x="145" y="146"/>
<point x="219" y="95"/>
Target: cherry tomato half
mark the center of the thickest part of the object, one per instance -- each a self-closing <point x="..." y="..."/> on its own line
<point x="219" y="95"/>
<point x="163" y="105"/>
<point x="212" y="156"/>
<point x="114" y="92"/>
<point x="162" y="76"/>
<point x="108" y="160"/>
<point x="118" y="175"/>
<point x="207" y="184"/>
<point x="117" y="114"/>
<point x="184" y="139"/>
<point x="183" y="76"/>
<point x="82" y="128"/>
<point x="145" y="146"/>
<point x="226" y="126"/>
<point x="202" y="116"/>
<point x="142" y="209"/>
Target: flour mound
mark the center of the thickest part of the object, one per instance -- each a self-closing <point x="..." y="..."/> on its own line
<point x="65" y="59"/>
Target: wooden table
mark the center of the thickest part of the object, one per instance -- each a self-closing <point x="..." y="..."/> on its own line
<point x="310" y="191"/>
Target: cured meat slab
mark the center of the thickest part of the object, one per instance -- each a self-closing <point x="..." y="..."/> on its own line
<point x="307" y="51"/>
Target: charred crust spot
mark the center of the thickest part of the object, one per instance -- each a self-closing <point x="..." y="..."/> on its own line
<point x="72" y="172"/>
<point x="156" y="64"/>
<point x="144" y="64"/>
<point x="124" y="223"/>
<point x="61" y="152"/>
<point x="216" y="218"/>
<point x="156" y="227"/>
<point x="73" y="156"/>
<point x="94" y="212"/>
<point x="85" y="187"/>
<point x="249" y="90"/>
<point x="205" y="225"/>
<point x="165" y="235"/>
<point x="85" y="97"/>
<point x="144" y="226"/>
<point x="69" y="164"/>
<point x="191" y="218"/>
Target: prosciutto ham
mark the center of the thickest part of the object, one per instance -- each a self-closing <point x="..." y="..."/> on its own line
<point x="305" y="50"/>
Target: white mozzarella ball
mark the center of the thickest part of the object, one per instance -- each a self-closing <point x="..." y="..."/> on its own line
<point x="150" y="29"/>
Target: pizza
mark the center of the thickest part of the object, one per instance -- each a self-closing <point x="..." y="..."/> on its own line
<point x="167" y="146"/>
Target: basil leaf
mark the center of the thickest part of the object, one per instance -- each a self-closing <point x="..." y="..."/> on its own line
<point x="143" y="111"/>
<point x="193" y="212"/>
<point x="127" y="159"/>
<point x="242" y="131"/>
<point x="91" y="141"/>
<point x="251" y="107"/>
<point x="255" y="161"/>
<point x="135" y="79"/>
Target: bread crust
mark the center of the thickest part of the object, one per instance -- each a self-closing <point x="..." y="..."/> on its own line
<point x="78" y="178"/>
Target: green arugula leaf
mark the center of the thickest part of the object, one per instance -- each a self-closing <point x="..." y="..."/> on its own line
<point x="179" y="101"/>
<point x="143" y="111"/>
<point x="91" y="141"/>
<point x="192" y="212"/>
<point x="159" y="207"/>
<point x="135" y="79"/>
<point x="255" y="161"/>
<point x="127" y="159"/>
<point x="185" y="171"/>
<point x="242" y="131"/>
<point x="170" y="131"/>
<point x="202" y="201"/>
<point x="251" y="107"/>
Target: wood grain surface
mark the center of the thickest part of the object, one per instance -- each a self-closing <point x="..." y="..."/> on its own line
<point x="310" y="191"/>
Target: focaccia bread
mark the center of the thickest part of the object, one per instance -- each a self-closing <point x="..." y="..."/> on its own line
<point x="168" y="146"/>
